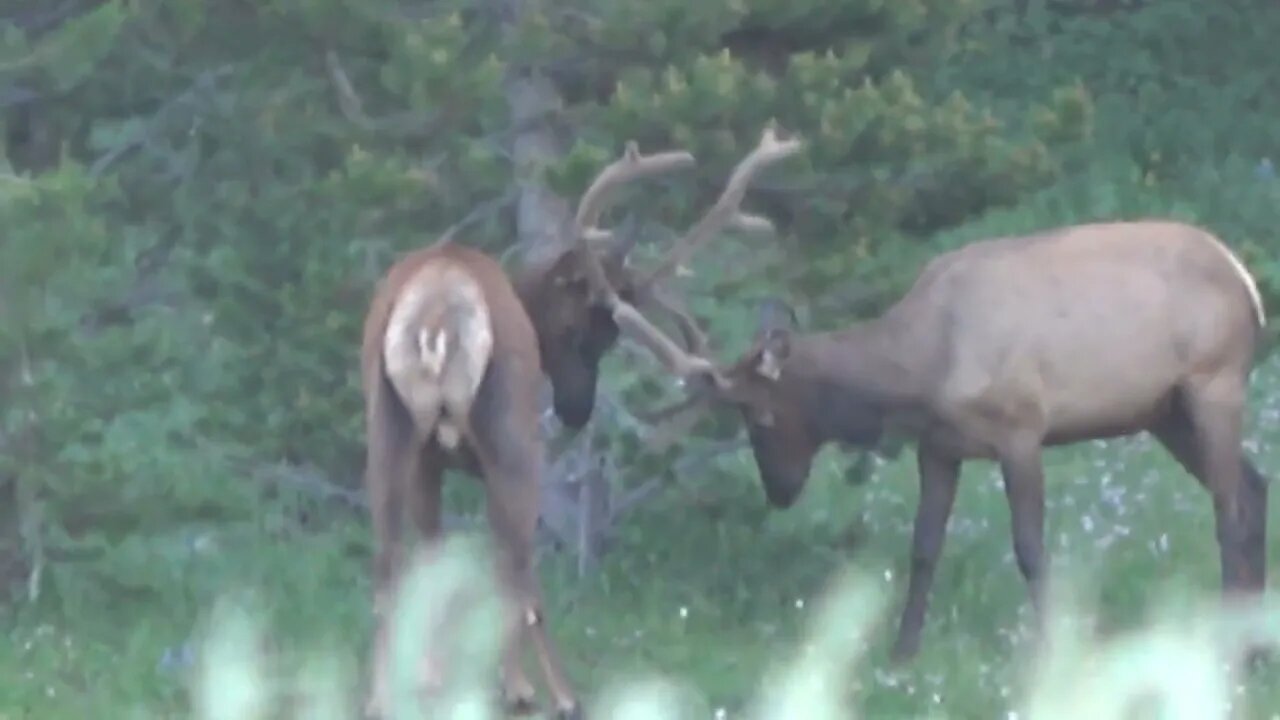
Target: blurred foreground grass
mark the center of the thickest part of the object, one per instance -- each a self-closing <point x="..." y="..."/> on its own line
<point x="1174" y="668"/>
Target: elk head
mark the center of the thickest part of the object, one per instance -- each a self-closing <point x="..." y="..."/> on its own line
<point x="581" y="298"/>
<point x="783" y="437"/>
<point x="574" y="328"/>
<point x="783" y="440"/>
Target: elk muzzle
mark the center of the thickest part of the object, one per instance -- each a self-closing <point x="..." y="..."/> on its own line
<point x="573" y="390"/>
<point x="783" y="463"/>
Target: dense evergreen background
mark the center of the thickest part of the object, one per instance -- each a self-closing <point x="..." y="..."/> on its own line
<point x="197" y="198"/>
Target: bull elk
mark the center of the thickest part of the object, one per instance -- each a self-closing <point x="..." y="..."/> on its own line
<point x="452" y="360"/>
<point x="1010" y="345"/>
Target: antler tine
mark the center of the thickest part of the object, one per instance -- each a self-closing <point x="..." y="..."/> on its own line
<point x="630" y="167"/>
<point x="727" y="210"/>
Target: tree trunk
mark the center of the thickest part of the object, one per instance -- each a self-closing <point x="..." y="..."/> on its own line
<point x="540" y="213"/>
<point x="571" y="501"/>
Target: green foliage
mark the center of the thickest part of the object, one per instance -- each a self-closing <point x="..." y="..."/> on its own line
<point x="1166" y="104"/>
<point x="66" y="58"/>
<point x="1176" y="131"/>
<point x="110" y="419"/>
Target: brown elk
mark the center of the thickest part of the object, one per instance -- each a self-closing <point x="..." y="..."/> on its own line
<point x="1010" y="345"/>
<point x="452" y="360"/>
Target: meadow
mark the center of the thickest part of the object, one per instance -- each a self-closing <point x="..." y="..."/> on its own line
<point x="705" y="587"/>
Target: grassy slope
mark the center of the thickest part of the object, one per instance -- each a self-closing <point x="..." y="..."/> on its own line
<point x="1120" y="510"/>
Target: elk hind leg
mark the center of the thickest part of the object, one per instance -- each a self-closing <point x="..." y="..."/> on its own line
<point x="512" y="505"/>
<point x="504" y="497"/>
<point x="1177" y="434"/>
<point x="1215" y="407"/>
<point x="1253" y="509"/>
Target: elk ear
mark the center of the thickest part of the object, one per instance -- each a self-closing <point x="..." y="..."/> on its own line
<point x="774" y="350"/>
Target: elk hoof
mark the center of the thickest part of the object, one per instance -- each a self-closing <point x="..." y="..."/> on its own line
<point x="1257" y="657"/>
<point x="430" y="679"/>
<point x="573" y="712"/>
<point x="904" y="651"/>
<point x="517" y="693"/>
<point x="518" y="697"/>
<point x="520" y="704"/>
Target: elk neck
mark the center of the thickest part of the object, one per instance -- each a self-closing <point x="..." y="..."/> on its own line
<point x="858" y="381"/>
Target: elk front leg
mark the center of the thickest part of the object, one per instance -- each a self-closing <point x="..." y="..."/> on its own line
<point x="938" y="477"/>
<point x="1023" y="471"/>
<point x="504" y="496"/>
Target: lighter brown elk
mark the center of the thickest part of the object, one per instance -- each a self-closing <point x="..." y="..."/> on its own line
<point x="1010" y="345"/>
<point x="453" y="357"/>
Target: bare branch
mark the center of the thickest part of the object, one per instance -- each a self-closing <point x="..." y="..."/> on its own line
<point x="679" y="407"/>
<point x="311" y="481"/>
<point x="204" y="83"/>
<point x="40" y="18"/>
<point x="484" y="210"/>
<point x="402" y="124"/>
<point x="688" y="467"/>
<point x="12" y="95"/>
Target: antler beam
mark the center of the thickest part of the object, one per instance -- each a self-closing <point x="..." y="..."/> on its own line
<point x="726" y="212"/>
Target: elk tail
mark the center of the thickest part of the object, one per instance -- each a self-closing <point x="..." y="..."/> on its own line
<point x="437" y="347"/>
